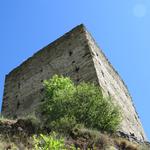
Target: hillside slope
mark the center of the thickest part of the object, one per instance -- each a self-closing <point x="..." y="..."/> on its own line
<point x="18" y="135"/>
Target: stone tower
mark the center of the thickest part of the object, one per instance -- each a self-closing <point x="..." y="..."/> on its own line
<point x="75" y="55"/>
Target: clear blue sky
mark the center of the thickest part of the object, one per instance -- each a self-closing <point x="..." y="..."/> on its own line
<point x="120" y="27"/>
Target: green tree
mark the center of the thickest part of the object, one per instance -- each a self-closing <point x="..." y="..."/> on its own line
<point x="66" y="105"/>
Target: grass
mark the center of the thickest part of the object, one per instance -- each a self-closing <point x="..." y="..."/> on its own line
<point x="80" y="137"/>
<point x="125" y="145"/>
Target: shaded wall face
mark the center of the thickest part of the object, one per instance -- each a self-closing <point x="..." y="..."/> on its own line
<point x="69" y="56"/>
<point x="113" y="85"/>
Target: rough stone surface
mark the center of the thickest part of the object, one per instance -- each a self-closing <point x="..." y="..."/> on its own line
<point x="75" y="55"/>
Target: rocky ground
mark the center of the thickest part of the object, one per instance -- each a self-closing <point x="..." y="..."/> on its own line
<point x="18" y="135"/>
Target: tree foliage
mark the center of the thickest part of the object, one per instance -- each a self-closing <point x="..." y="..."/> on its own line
<point x="67" y="104"/>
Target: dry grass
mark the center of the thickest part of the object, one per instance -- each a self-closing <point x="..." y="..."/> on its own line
<point x="8" y="142"/>
<point x="102" y="142"/>
<point x="125" y="145"/>
<point x="80" y="138"/>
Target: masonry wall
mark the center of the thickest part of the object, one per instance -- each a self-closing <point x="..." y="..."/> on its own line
<point x="69" y="56"/>
<point x="113" y="86"/>
<point x="75" y="55"/>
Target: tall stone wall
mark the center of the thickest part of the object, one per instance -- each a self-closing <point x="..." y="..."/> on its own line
<point x="114" y="86"/>
<point x="75" y="55"/>
<point x="68" y="56"/>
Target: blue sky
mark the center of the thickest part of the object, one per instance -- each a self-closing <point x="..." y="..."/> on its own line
<point x="121" y="29"/>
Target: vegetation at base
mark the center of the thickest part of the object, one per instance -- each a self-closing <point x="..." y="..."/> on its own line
<point x="66" y="105"/>
<point x="44" y="142"/>
<point x="80" y="112"/>
<point x="80" y="138"/>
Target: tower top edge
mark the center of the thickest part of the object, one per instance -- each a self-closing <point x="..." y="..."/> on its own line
<point x="76" y="30"/>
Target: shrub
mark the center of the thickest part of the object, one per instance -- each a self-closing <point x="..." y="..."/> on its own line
<point x="66" y="105"/>
<point x="93" y="110"/>
<point x="45" y="142"/>
<point x="31" y="118"/>
<point x="63" y="125"/>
